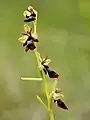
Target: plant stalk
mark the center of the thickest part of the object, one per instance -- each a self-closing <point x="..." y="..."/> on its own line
<point x="49" y="97"/>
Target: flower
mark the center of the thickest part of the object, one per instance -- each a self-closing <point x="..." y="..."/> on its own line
<point x="57" y="99"/>
<point x="47" y="70"/>
<point x="27" y="38"/>
<point x="30" y="14"/>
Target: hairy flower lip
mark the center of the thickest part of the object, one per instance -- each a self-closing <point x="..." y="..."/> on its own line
<point x="61" y="104"/>
<point x="51" y="73"/>
<point x="30" y="46"/>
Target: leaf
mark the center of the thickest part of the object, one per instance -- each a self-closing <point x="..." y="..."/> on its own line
<point x="40" y="100"/>
<point x="36" y="79"/>
<point x="26" y="13"/>
<point x="23" y="38"/>
<point x="26" y="28"/>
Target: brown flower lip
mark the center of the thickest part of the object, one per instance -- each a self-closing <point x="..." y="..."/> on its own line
<point x="61" y="104"/>
<point x="30" y="46"/>
<point x="51" y="73"/>
<point x="30" y="43"/>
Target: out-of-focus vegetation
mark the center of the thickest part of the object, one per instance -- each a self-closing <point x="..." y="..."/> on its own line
<point x="64" y="34"/>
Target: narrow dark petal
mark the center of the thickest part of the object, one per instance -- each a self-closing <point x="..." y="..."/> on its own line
<point x="55" y="101"/>
<point x="25" y="43"/>
<point x="35" y="40"/>
<point x="24" y="34"/>
<point x="61" y="104"/>
<point x="45" y="71"/>
<point x="33" y="14"/>
<point x="30" y="19"/>
<point x="29" y="38"/>
<point x="46" y="67"/>
<point x="27" y="16"/>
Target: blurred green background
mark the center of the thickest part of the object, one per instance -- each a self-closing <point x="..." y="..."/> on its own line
<point x="64" y="33"/>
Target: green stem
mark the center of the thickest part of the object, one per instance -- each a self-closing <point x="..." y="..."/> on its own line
<point x="49" y="97"/>
<point x="35" y="24"/>
<point x="50" y="107"/>
<point x="42" y="74"/>
<point x="38" y="62"/>
<point x="51" y="115"/>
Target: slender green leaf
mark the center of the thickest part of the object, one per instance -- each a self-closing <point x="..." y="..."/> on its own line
<point x="40" y="100"/>
<point x="34" y="79"/>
